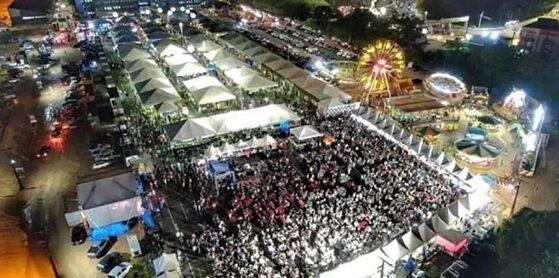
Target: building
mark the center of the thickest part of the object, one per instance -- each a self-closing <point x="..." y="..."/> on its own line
<point x="541" y="36"/>
<point x="29" y="11"/>
<point x="110" y="8"/>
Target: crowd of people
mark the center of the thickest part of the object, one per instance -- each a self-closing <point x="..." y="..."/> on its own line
<point x="300" y="212"/>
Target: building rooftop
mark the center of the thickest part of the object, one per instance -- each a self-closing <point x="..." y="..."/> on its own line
<point x="545" y="24"/>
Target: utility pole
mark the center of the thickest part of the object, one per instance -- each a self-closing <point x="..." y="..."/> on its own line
<point x="480" y="18"/>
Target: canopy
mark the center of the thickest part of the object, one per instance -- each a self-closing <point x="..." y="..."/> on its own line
<point x="188" y="69"/>
<point x="245" y="45"/>
<point x="249" y="80"/>
<point x="170" y="49"/>
<point x="212" y="94"/>
<point x="201" y="82"/>
<point x="145" y="74"/>
<point x="265" y="57"/>
<point x="106" y="190"/>
<point x="330" y="103"/>
<point x="229" y="122"/>
<point x="458" y="209"/>
<point x="217" y="54"/>
<point x="453" y="241"/>
<point x="306" y="132"/>
<point x="152" y="84"/>
<point x="280" y="64"/>
<point x="158" y="96"/>
<point x="206" y="46"/>
<point x="140" y="64"/>
<point x="167" y="266"/>
<point x="394" y="250"/>
<point x="424" y="232"/>
<point x="212" y="152"/>
<point x="166" y="107"/>
<point x="133" y="52"/>
<point x="179" y="59"/>
<point x="293" y="72"/>
<point x="410" y="241"/>
<point x="307" y="82"/>
<point x="255" y="51"/>
<point x="219" y="167"/>
<point x="111" y="230"/>
<point x="321" y="90"/>
<point x="228" y="63"/>
<point x="437" y="225"/>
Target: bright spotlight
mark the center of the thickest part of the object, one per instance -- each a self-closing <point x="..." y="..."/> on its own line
<point x="494" y="35"/>
<point x="485" y="34"/>
<point x="538" y="117"/>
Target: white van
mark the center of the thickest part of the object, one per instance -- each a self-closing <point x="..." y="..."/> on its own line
<point x="134" y="245"/>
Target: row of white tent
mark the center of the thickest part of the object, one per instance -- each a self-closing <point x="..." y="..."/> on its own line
<point x="229" y="122"/>
<point x="253" y="144"/>
<point x="234" y="69"/>
<point x="314" y="87"/>
<point x="180" y="62"/>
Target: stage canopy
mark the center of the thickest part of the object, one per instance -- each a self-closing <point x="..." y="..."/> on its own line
<point x="188" y="69"/>
<point x="159" y="95"/>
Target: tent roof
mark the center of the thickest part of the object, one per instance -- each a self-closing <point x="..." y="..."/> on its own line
<point x="293" y="73"/>
<point x="166" y="107"/>
<point x="238" y="74"/>
<point x="477" y="148"/>
<point x="308" y="82"/>
<point x="228" y="63"/>
<point x="330" y="103"/>
<point x="106" y="190"/>
<point x="153" y="83"/>
<point x="424" y="232"/>
<point x="245" y="45"/>
<point x="170" y="49"/>
<point x="251" y="52"/>
<point x="265" y="57"/>
<point x="256" y="82"/>
<point x="322" y="90"/>
<point x="410" y="241"/>
<point x="201" y="82"/>
<point x="188" y="69"/>
<point x="133" y="52"/>
<point x="159" y="95"/>
<point x="279" y="64"/>
<point x="166" y="263"/>
<point x="217" y="54"/>
<point x="179" y="59"/>
<point x="140" y="64"/>
<point x="305" y="132"/>
<point x="206" y="46"/>
<point x="229" y="122"/>
<point x="145" y="74"/>
<point x="212" y="94"/>
<point x="453" y="236"/>
<point x="394" y="250"/>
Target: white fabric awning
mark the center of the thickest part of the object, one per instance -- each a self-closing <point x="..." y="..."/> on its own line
<point x="217" y="54"/>
<point x="394" y="250"/>
<point x="145" y="74"/>
<point x="264" y="58"/>
<point x="249" y="79"/>
<point x="201" y="82"/>
<point x="170" y="50"/>
<point x="179" y="59"/>
<point x="278" y="65"/>
<point x="212" y="94"/>
<point x="159" y="95"/>
<point x="250" y="52"/>
<point x="167" y="265"/>
<point x="140" y="64"/>
<point x="152" y="84"/>
<point x="229" y="122"/>
<point x="206" y="46"/>
<point x="228" y="63"/>
<point x="306" y="132"/>
<point x="188" y="69"/>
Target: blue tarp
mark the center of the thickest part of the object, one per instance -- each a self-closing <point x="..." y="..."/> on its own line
<point x="148" y="219"/>
<point x="139" y="186"/>
<point x="112" y="230"/>
<point x="219" y="167"/>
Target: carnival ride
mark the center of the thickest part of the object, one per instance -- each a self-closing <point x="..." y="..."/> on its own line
<point x="445" y="88"/>
<point x="380" y="68"/>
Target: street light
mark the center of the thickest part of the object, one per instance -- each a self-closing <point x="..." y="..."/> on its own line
<point x="182" y="9"/>
<point x="13" y="164"/>
<point x="190" y="48"/>
<point x="192" y="15"/>
<point x="180" y="27"/>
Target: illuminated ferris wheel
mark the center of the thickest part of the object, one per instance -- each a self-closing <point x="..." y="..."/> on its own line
<point x="380" y="65"/>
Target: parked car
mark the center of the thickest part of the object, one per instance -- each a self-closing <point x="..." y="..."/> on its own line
<point x="79" y="234"/>
<point x="98" y="250"/>
<point x="120" y="270"/>
<point x="100" y="164"/>
<point x="109" y="262"/>
<point x="43" y="152"/>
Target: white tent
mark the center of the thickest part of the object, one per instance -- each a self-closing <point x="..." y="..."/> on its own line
<point x="179" y="59"/>
<point x="228" y="63"/>
<point x="228" y="149"/>
<point x="245" y="45"/>
<point x="154" y="83"/>
<point x="201" y="82"/>
<point x="279" y="64"/>
<point x="230" y="122"/>
<point x="166" y="107"/>
<point x="458" y="209"/>
<point x="251" y="52"/>
<point x="217" y="54"/>
<point x="293" y="73"/>
<point x="206" y="46"/>
<point x="424" y="232"/>
<point x="267" y="141"/>
<point x="212" y="94"/>
<point x="264" y="58"/>
<point x="170" y="50"/>
<point x="145" y="74"/>
<point x="167" y="266"/>
<point x="132" y="53"/>
<point x="306" y="82"/>
<point x="306" y="132"/>
<point x="140" y="64"/>
<point x="394" y="250"/>
<point x="159" y="95"/>
<point x="326" y="91"/>
<point x="212" y="152"/>
<point x="437" y="224"/>
<point x="410" y="241"/>
<point x="238" y="74"/>
<point x="248" y="79"/>
<point x="188" y="69"/>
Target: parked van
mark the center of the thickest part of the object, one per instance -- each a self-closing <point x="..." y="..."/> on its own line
<point x="134" y="245"/>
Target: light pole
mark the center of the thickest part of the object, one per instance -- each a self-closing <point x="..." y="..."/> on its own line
<point x="180" y="27"/>
<point x="13" y="164"/>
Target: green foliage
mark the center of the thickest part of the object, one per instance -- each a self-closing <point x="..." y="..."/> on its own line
<point x="524" y="241"/>
<point x="300" y="9"/>
<point x="546" y="266"/>
<point x="142" y="269"/>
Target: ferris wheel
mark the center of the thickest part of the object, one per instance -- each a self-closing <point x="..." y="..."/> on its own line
<point x="380" y="65"/>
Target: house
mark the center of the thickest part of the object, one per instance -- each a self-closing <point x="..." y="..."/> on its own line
<point x="541" y="36"/>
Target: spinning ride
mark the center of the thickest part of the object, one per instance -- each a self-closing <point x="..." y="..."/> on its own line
<point x="380" y="67"/>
